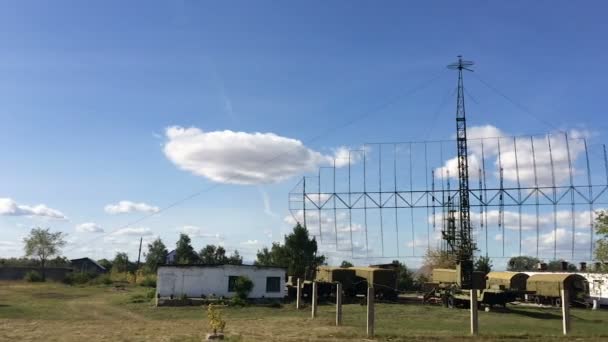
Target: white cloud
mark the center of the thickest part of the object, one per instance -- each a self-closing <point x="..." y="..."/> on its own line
<point x="250" y="243"/>
<point x="197" y="232"/>
<point x="89" y="227"/>
<point x="124" y="207"/>
<point x="9" y="207"/>
<point x="549" y="163"/>
<point x="132" y="231"/>
<point x="266" y="201"/>
<point x="241" y="157"/>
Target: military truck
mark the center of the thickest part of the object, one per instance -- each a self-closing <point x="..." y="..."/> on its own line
<point x="546" y="288"/>
<point x="445" y="287"/>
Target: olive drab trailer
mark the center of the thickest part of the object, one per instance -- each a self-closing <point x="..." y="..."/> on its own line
<point x="547" y="288"/>
<point x="447" y="288"/>
<point x="384" y="281"/>
<point x="507" y="280"/>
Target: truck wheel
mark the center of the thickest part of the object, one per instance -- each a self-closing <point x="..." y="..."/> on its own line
<point x="451" y="302"/>
<point x="558" y="302"/>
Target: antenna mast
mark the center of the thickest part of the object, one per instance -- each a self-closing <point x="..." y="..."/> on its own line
<point x="462" y="243"/>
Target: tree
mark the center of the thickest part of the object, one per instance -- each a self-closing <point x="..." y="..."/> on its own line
<point x="235" y="259"/>
<point x="522" y="263"/>
<point x="405" y="277"/>
<point x="483" y="264"/>
<point x="43" y="244"/>
<point x="184" y="253"/>
<point x="346" y="264"/>
<point x="157" y="254"/>
<point x="601" y="247"/>
<point x="120" y="263"/>
<point x="264" y="257"/>
<point x="298" y="254"/>
<point x="436" y="258"/>
<point x="556" y="266"/>
<point x="105" y="263"/>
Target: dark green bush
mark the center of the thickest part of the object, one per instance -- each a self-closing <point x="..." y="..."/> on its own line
<point x="150" y="294"/>
<point x="78" y="278"/>
<point x="238" y="301"/>
<point x="148" y="281"/>
<point x="243" y="287"/>
<point x="33" y="276"/>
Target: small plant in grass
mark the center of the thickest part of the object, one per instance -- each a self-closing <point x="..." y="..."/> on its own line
<point x="148" y="281"/>
<point x="33" y="277"/>
<point x="216" y="323"/>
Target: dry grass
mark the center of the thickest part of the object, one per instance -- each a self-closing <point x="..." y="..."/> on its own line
<point x="54" y="312"/>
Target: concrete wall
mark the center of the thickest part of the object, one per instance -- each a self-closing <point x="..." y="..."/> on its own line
<point x="18" y="272"/>
<point x="195" y="281"/>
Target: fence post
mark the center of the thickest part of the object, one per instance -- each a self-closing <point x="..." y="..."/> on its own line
<point x="338" y="304"/>
<point x="370" y="312"/>
<point x="314" y="299"/>
<point x="565" y="312"/>
<point x="298" y="294"/>
<point x="474" y="313"/>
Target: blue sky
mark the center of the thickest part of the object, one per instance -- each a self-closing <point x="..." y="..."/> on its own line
<point x="88" y="91"/>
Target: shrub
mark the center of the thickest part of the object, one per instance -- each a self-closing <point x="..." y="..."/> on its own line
<point x="138" y="298"/>
<point x="148" y="281"/>
<point x="214" y="316"/>
<point x="243" y="287"/>
<point x="238" y="301"/>
<point x="78" y="278"/>
<point x="33" y="276"/>
<point x="103" y="279"/>
<point x="150" y="294"/>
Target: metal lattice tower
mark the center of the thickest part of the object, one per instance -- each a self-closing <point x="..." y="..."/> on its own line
<point x="462" y="244"/>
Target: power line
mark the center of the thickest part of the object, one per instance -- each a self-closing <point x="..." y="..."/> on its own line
<point x="516" y="104"/>
<point x="326" y="132"/>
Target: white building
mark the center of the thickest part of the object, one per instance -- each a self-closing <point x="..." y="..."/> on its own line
<point x="218" y="280"/>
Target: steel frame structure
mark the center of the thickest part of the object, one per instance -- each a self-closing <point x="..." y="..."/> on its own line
<point x="505" y="192"/>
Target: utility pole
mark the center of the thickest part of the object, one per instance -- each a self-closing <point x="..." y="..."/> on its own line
<point x="138" y="258"/>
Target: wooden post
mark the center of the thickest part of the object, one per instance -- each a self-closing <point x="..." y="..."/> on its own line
<point x="298" y="294"/>
<point x="474" y="314"/>
<point x="338" y="304"/>
<point x="314" y="299"/>
<point x="370" y="312"/>
<point x="565" y="312"/>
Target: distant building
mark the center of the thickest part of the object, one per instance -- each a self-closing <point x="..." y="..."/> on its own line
<point x="218" y="280"/>
<point x="170" y="259"/>
<point x="87" y="265"/>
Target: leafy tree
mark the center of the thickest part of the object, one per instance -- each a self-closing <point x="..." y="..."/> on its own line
<point x="298" y="254"/>
<point x="483" y="264"/>
<point x="184" y="253"/>
<point x="105" y="263"/>
<point x="157" y="254"/>
<point x="346" y="264"/>
<point x="522" y="263"/>
<point x="405" y="277"/>
<point x="264" y="257"/>
<point x="120" y="262"/>
<point x="556" y="266"/>
<point x="235" y="259"/>
<point x="601" y="248"/>
<point x="43" y="244"/>
<point x="436" y="258"/>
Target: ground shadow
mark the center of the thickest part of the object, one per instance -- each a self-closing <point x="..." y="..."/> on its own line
<point x="533" y="314"/>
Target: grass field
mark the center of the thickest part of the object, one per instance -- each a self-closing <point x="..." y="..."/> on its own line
<point x="56" y="312"/>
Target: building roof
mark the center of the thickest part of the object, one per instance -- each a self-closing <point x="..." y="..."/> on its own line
<point x="91" y="260"/>
<point x="220" y="265"/>
<point x="503" y="275"/>
<point x="540" y="277"/>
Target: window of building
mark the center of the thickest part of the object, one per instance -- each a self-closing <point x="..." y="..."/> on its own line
<point x="273" y="284"/>
<point x="232" y="283"/>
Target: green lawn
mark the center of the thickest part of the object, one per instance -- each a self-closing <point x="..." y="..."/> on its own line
<point x="55" y="312"/>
